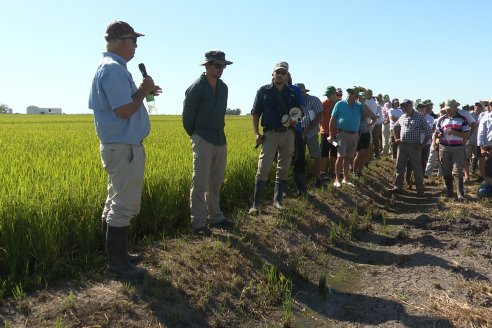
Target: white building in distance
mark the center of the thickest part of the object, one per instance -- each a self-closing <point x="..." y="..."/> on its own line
<point x="37" y="110"/>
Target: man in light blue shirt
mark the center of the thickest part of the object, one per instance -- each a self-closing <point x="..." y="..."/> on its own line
<point x="122" y="123"/>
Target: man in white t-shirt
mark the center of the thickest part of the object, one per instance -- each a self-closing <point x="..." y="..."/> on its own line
<point x="394" y="114"/>
<point x="386" y="124"/>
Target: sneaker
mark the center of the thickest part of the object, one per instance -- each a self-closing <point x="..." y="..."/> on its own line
<point x="395" y="190"/>
<point x="224" y="224"/>
<point x="348" y="183"/>
<point x="318" y="183"/>
<point x="254" y="210"/>
<point x="278" y="206"/>
<point x="337" y="184"/>
<point x="203" y="232"/>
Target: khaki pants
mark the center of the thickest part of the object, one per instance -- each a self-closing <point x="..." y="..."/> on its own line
<point x="409" y="152"/>
<point x="125" y="165"/>
<point x="386" y="138"/>
<point x="209" y="162"/>
<point x="281" y="142"/>
<point x="449" y="157"/>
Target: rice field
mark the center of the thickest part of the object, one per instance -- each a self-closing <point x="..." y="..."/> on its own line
<point x="53" y="188"/>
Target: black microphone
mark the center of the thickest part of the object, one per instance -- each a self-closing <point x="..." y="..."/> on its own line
<point x="142" y="69"/>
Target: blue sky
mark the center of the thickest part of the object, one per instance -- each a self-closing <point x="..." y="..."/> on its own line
<point x="435" y="49"/>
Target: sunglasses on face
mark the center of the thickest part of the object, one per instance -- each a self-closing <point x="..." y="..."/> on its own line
<point x="339" y="94"/>
<point x="133" y="38"/>
<point x="282" y="72"/>
<point x="219" y="66"/>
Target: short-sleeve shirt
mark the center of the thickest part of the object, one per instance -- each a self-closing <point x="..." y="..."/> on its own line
<point x="347" y="117"/>
<point x="396" y="113"/>
<point x="312" y="103"/>
<point x="268" y="106"/>
<point x="327" y="110"/>
<point x="412" y="126"/>
<point x="485" y="129"/>
<point x="112" y="88"/>
<point x="456" y="123"/>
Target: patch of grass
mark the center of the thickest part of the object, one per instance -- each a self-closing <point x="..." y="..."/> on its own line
<point x="402" y="297"/>
<point x="69" y="301"/>
<point x="470" y="252"/>
<point x="18" y="292"/>
<point x="129" y="289"/>
<point x="339" y="278"/>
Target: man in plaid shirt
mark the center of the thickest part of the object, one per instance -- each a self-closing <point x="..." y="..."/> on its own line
<point x="411" y="124"/>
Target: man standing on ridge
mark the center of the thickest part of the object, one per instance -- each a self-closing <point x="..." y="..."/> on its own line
<point x="344" y="129"/>
<point x="328" y="150"/>
<point x="204" y="111"/>
<point x="407" y="135"/>
<point x="273" y="101"/>
<point x="122" y="123"/>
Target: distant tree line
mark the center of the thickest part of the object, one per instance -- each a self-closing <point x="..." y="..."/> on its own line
<point x="236" y="111"/>
<point x="4" y="109"/>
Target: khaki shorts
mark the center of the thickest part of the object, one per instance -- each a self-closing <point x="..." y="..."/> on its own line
<point x="347" y="142"/>
<point x="313" y="147"/>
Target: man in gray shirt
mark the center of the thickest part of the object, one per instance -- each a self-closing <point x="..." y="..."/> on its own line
<point x="204" y="111"/>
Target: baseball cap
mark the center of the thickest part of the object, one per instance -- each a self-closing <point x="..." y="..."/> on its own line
<point x="117" y="29"/>
<point x="281" y="65"/>
<point x="330" y="90"/>
<point x="302" y="87"/>
<point x="353" y="89"/>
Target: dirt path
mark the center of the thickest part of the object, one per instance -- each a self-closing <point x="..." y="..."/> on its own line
<point x="356" y="257"/>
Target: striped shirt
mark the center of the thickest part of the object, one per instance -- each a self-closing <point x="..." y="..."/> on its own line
<point x="312" y="103"/>
<point x="412" y="126"/>
<point x="456" y="123"/>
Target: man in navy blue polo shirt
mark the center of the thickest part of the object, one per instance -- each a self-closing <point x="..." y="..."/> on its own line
<point x="122" y="123"/>
<point x="272" y="102"/>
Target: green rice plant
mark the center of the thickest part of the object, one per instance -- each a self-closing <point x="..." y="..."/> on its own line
<point x="275" y="287"/>
<point x="54" y="188"/>
<point x="18" y="292"/>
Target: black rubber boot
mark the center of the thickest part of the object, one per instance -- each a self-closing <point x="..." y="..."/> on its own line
<point x="117" y="251"/>
<point x="460" y="190"/>
<point x="448" y="180"/>
<point x="278" y="194"/>
<point x="474" y="165"/>
<point x="132" y="257"/>
<point x="300" y="180"/>
<point x="259" y="186"/>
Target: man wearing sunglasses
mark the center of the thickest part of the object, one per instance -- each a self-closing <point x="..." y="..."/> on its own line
<point x="204" y="111"/>
<point x="122" y="123"/>
<point x="273" y="102"/>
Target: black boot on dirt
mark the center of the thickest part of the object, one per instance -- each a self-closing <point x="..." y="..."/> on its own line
<point x="117" y="249"/>
<point x="259" y="186"/>
<point x="280" y="186"/>
<point x="460" y="190"/>
<point x="448" y="180"/>
<point x="134" y="258"/>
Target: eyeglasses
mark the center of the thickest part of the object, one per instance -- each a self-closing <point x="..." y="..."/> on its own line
<point x="339" y="94"/>
<point x="282" y="72"/>
<point x="133" y="38"/>
<point x="220" y="66"/>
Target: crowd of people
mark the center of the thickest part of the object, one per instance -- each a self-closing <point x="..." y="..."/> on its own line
<point x="341" y="135"/>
